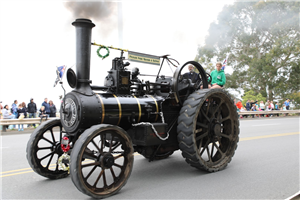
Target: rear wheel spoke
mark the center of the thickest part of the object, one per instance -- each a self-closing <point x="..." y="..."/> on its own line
<point x="202" y="136"/>
<point x="202" y="125"/>
<point x="226" y="118"/>
<point x="219" y="150"/>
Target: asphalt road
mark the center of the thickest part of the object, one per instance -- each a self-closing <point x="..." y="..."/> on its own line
<point x="265" y="166"/>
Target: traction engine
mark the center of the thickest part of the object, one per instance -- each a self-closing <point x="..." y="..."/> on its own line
<point x="101" y="128"/>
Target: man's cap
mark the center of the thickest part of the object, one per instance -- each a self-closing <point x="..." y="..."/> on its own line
<point x="31" y="99"/>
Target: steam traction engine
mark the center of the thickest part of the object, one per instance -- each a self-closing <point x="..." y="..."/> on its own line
<point x="98" y="132"/>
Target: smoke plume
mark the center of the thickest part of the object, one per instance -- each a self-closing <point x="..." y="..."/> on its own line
<point x="103" y="14"/>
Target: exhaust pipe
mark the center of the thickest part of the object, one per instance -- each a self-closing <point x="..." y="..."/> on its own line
<point x="83" y="54"/>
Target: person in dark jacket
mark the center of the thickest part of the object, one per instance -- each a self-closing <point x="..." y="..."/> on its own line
<point x="52" y="109"/>
<point x="32" y="111"/>
<point x="248" y="105"/>
<point x="47" y="107"/>
<point x="192" y="75"/>
<point x="21" y="111"/>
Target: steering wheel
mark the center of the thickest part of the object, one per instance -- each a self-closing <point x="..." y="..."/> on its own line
<point x="208" y="76"/>
<point x="179" y="85"/>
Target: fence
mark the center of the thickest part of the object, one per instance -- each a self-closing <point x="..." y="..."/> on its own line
<point x="269" y="112"/>
<point x="6" y="122"/>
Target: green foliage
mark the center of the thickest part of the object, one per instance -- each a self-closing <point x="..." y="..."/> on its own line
<point x="262" y="39"/>
<point x="295" y="99"/>
<point x="250" y="95"/>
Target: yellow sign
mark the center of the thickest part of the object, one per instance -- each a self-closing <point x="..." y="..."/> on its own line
<point x="143" y="58"/>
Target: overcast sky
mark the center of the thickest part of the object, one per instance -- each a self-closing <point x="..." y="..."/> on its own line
<point x="37" y="36"/>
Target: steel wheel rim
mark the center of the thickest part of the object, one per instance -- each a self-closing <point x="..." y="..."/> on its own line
<point x="214" y="130"/>
<point x="96" y="176"/>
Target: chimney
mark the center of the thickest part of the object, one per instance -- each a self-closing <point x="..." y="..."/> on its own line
<point x="83" y="54"/>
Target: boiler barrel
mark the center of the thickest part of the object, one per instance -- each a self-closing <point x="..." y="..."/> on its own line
<point x="121" y="110"/>
<point x="82" y="111"/>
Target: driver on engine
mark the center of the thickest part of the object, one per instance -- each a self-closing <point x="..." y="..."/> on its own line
<point x="192" y="75"/>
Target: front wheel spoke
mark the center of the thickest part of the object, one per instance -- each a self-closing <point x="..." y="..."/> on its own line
<point x="117" y="165"/>
<point x="50" y="160"/>
<point x="43" y="148"/>
<point x="102" y="143"/>
<point x="116" y="147"/>
<point x="48" y="140"/>
<point x="113" y="173"/>
<point x="56" y="168"/>
<point x="104" y="179"/>
<point x="52" y="135"/>
<point x="224" y="119"/>
<point x="96" y="146"/>
<point x="98" y="178"/>
<point x="90" y="164"/>
<point x="202" y="125"/>
<point x="202" y="136"/>
<point x="111" y="142"/>
<point x="46" y="156"/>
<point x="60" y="134"/>
<point x="89" y="154"/>
<point x="91" y="172"/>
<point x="119" y="156"/>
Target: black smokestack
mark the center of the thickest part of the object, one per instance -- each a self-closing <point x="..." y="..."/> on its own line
<point x="83" y="54"/>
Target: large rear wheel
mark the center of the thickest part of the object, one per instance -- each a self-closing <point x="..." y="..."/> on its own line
<point x="101" y="160"/>
<point x="208" y="129"/>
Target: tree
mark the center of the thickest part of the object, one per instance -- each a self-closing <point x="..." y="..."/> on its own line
<point x="250" y="95"/>
<point x="262" y="39"/>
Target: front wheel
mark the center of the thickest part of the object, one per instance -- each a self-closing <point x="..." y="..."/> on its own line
<point x="101" y="160"/>
<point x="43" y="149"/>
<point x="208" y="129"/>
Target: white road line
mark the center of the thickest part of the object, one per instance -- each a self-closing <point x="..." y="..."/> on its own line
<point x="265" y="124"/>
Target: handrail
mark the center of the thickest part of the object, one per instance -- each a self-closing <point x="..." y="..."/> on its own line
<point x="24" y="121"/>
<point x="269" y="112"/>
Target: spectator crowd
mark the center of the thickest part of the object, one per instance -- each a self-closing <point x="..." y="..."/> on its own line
<point x="252" y="105"/>
<point x="21" y="111"/>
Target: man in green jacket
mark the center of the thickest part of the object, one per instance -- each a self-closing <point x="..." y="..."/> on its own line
<point x="218" y="77"/>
